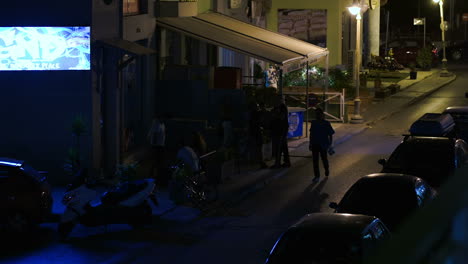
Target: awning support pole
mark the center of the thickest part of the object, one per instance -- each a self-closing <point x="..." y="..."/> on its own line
<point x="327" y="82"/>
<point x="307" y="101"/>
<point x="280" y="82"/>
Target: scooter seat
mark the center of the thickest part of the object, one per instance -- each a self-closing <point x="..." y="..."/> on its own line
<point x="123" y="192"/>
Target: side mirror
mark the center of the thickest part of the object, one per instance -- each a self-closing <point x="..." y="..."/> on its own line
<point x="382" y="162"/>
<point x="466" y="95"/>
<point x="333" y="205"/>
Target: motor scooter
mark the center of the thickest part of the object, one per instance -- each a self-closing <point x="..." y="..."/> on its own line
<point x="127" y="203"/>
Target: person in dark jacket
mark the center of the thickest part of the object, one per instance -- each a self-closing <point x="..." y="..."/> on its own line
<point x="279" y="133"/>
<point x="256" y="135"/>
<point x="320" y="141"/>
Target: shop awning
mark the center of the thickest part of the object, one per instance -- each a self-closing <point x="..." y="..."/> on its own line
<point x="128" y="46"/>
<point x="287" y="52"/>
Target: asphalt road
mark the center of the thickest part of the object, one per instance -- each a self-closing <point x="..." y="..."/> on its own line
<point x="250" y="230"/>
<point x="246" y="232"/>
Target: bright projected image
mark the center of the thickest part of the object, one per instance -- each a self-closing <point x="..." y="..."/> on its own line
<point x="44" y="48"/>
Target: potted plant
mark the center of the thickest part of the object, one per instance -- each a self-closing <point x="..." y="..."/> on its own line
<point x="258" y="74"/>
<point x="413" y="73"/>
<point x="73" y="160"/>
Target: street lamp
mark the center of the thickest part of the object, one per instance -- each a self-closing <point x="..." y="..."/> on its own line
<point x="444" y="72"/>
<point x="356" y="9"/>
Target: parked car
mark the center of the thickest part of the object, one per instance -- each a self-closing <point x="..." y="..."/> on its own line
<point x="389" y="196"/>
<point x="457" y="51"/>
<point x="329" y="238"/>
<point x="405" y="50"/>
<point x="460" y="117"/>
<point x="25" y="196"/>
<point x="432" y="159"/>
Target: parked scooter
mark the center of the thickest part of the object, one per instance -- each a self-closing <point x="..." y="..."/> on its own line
<point x="128" y="203"/>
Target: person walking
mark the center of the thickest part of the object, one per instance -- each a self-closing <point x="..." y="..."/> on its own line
<point x="320" y="141"/>
<point x="279" y="134"/>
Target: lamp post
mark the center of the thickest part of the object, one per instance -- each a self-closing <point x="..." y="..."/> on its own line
<point x="356" y="9"/>
<point x="444" y="72"/>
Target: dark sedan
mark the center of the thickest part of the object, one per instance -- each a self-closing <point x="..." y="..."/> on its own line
<point x="329" y="238"/>
<point x="25" y="196"/>
<point x="388" y="196"/>
<point x="433" y="159"/>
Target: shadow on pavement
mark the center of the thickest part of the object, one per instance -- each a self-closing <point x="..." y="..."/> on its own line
<point x="147" y="234"/>
<point x="19" y="244"/>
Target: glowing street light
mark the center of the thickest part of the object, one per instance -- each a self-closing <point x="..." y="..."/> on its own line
<point x="356" y="9"/>
<point x="444" y="72"/>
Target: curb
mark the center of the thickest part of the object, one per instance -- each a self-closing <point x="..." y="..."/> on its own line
<point x="426" y="94"/>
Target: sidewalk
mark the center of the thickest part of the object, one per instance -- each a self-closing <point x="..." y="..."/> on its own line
<point x="249" y="179"/>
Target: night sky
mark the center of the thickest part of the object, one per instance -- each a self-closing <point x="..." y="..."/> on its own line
<point x="402" y="13"/>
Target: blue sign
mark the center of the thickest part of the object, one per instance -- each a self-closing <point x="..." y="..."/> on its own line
<point x="44" y="48"/>
<point x="295" y="119"/>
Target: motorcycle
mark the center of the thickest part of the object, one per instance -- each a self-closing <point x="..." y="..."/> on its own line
<point x="127" y="203"/>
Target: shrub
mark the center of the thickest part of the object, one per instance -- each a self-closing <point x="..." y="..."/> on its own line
<point x="424" y="58"/>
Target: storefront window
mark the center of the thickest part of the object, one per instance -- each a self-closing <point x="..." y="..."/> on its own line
<point x="131" y="7"/>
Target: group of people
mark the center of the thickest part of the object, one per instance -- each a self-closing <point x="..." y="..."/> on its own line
<point x="320" y="140"/>
<point x="277" y="125"/>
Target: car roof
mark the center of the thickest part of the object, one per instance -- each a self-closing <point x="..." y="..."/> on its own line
<point x="390" y="177"/>
<point x="424" y="139"/>
<point x="353" y="224"/>
<point x="456" y="109"/>
<point x="10" y="162"/>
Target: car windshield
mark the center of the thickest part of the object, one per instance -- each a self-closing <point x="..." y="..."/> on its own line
<point x="317" y="246"/>
<point x="422" y="156"/>
<point x="32" y="172"/>
<point x="384" y="203"/>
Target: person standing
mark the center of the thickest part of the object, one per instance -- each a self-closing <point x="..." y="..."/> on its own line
<point x="256" y="135"/>
<point x="320" y="141"/>
<point x="157" y="138"/>
<point x="279" y="134"/>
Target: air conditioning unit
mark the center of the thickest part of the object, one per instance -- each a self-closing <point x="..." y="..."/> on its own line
<point x="176" y="9"/>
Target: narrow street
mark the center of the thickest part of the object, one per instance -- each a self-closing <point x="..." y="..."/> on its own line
<point x="246" y="232"/>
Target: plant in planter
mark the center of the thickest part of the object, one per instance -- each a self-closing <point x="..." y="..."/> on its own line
<point x="413" y="72"/>
<point x="73" y="160"/>
<point x="258" y="74"/>
<point x="424" y="58"/>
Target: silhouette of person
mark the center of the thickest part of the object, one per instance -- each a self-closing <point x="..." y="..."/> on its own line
<point x="279" y="133"/>
<point x="256" y="135"/>
<point x="320" y="140"/>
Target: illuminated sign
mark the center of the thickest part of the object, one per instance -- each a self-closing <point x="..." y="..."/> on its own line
<point x="44" y="48"/>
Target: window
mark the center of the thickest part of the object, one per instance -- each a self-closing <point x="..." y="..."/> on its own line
<point x="130" y="7"/>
